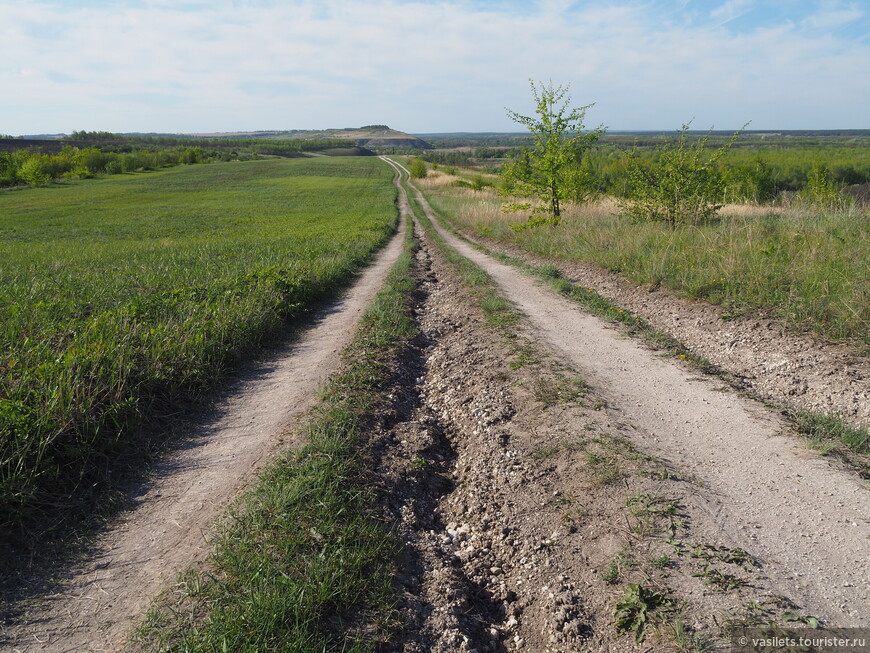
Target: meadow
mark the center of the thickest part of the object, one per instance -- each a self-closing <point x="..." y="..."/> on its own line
<point x="806" y="265"/>
<point x="124" y="299"/>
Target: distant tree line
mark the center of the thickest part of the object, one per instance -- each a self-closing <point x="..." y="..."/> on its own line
<point x="85" y="154"/>
<point x="34" y="168"/>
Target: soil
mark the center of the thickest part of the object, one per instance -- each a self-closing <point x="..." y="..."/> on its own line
<point x="98" y="602"/>
<point x="539" y="473"/>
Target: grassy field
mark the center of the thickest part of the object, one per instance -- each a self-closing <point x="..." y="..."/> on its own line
<point x="808" y="267"/>
<point x="123" y="299"/>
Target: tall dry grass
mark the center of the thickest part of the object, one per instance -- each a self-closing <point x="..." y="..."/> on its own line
<point x="811" y="268"/>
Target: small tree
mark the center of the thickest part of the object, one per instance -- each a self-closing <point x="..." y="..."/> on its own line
<point x="682" y="185"/>
<point x="418" y="168"/>
<point x="550" y="170"/>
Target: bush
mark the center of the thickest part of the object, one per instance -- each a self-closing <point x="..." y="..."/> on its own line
<point x="681" y="186"/>
<point x="418" y="168"/>
<point x="35" y="170"/>
<point x="821" y="190"/>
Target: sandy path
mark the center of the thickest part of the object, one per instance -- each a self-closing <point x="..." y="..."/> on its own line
<point x="167" y="531"/>
<point x="808" y="522"/>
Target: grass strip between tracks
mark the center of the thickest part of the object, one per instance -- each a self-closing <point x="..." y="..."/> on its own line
<point x="826" y="433"/>
<point x="499" y="311"/>
<point x="303" y="564"/>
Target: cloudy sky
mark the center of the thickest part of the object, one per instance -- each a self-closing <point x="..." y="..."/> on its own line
<point x="429" y="65"/>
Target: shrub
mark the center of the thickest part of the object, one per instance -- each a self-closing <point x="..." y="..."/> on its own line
<point x="35" y="170"/>
<point x="418" y="168"/>
<point x="681" y="186"/>
<point x="821" y="190"/>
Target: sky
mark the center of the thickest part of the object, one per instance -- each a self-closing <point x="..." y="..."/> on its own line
<point x="429" y="66"/>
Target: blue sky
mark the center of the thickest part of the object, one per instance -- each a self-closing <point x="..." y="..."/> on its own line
<point x="429" y="65"/>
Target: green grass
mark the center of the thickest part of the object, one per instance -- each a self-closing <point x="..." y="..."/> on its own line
<point x="806" y="267"/>
<point x="304" y="564"/>
<point x="826" y="432"/>
<point x="123" y="299"/>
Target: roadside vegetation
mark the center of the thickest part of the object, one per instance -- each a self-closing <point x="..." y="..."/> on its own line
<point x="303" y="564"/>
<point x="804" y="266"/>
<point x="125" y="299"/>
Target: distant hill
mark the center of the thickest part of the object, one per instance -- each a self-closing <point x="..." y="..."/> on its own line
<point x="368" y="136"/>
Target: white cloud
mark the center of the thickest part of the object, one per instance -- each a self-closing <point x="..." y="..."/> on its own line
<point x="832" y="15"/>
<point x="731" y="10"/>
<point x="421" y="66"/>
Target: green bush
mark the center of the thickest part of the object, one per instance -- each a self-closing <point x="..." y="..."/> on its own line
<point x="681" y="186"/>
<point x="418" y="168"/>
<point x="821" y="190"/>
<point x="35" y="170"/>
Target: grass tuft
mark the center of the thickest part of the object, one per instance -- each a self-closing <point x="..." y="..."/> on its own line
<point x="826" y="432"/>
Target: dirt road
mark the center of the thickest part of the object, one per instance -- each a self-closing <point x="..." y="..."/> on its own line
<point x="167" y="531"/>
<point x="808" y="521"/>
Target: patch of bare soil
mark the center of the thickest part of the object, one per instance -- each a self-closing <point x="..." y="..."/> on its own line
<point x="97" y="602"/>
<point x="795" y="370"/>
<point x="528" y="512"/>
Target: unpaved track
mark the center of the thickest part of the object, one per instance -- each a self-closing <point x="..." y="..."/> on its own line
<point x="168" y="529"/>
<point x="807" y="521"/>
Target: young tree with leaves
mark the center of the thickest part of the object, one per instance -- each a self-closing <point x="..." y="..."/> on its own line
<point x="681" y="186"/>
<point x="550" y="171"/>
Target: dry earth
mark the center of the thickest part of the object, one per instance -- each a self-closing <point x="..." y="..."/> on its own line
<point x="97" y="603"/>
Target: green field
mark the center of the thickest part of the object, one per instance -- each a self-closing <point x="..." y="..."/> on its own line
<point x="123" y="299"/>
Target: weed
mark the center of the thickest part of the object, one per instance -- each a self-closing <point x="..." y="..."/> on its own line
<point x="611" y="576"/>
<point x="635" y="611"/>
<point x="545" y="452"/>
<point x="619" y="566"/>
<point x="550" y="392"/>
<point x="646" y="512"/>
<point x="689" y="640"/>
<point x="605" y="470"/>
<point x="524" y="358"/>
<point x="709" y="552"/>
<point x="662" y="562"/>
<point x="719" y="580"/>
<point x="809" y="621"/>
